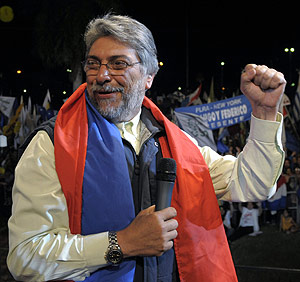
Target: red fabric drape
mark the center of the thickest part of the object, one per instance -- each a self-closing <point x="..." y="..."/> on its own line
<point x="201" y="247"/>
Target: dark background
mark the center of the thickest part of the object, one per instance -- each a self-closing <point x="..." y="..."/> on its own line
<point x="45" y="39"/>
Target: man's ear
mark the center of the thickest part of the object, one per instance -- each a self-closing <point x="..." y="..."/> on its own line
<point x="149" y="81"/>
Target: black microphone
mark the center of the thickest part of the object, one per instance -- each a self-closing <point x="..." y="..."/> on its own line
<point x="165" y="176"/>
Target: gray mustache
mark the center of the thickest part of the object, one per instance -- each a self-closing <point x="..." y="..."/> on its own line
<point x="107" y="88"/>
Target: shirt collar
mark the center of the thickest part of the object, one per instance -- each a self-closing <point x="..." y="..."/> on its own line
<point x="135" y="124"/>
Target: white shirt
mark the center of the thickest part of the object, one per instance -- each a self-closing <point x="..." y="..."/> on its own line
<point x="249" y="218"/>
<point x="41" y="246"/>
<point x="130" y="130"/>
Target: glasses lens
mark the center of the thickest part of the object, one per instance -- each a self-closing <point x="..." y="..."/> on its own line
<point x="117" y="65"/>
<point x="92" y="64"/>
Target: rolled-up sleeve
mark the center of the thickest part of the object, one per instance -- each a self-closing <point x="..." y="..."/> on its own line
<point x="253" y="174"/>
<point x="41" y="246"/>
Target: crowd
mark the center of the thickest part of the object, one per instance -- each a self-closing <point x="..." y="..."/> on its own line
<point x="282" y="210"/>
<point x="239" y="219"/>
<point x="247" y="218"/>
<point x="234" y="141"/>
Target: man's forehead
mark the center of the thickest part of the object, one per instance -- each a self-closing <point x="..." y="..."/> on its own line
<point x="105" y="47"/>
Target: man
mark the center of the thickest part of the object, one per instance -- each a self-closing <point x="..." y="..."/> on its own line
<point x="84" y="206"/>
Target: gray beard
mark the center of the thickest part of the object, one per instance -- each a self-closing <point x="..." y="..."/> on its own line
<point x="132" y="100"/>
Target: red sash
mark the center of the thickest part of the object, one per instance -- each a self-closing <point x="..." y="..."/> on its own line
<point x="201" y="247"/>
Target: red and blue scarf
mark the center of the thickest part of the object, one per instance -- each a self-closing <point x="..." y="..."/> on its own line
<point x="201" y="248"/>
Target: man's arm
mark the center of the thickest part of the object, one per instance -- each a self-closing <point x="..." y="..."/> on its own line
<point x="41" y="246"/>
<point x="253" y="174"/>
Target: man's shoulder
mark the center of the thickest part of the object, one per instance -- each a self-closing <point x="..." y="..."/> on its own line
<point x="47" y="126"/>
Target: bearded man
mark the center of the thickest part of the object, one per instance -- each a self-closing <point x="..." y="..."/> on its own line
<point x="85" y="187"/>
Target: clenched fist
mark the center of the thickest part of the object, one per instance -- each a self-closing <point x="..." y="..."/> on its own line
<point x="264" y="89"/>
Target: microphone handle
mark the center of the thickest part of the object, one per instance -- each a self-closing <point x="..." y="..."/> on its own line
<point x="164" y="194"/>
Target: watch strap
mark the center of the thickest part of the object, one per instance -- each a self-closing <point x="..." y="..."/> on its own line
<point x="112" y="249"/>
<point x="112" y="238"/>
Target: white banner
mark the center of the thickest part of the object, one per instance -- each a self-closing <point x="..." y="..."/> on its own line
<point x="198" y="128"/>
<point x="6" y="105"/>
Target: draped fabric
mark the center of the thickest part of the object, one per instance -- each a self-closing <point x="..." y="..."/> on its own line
<point x="201" y="248"/>
<point x="107" y="190"/>
<point x="70" y="143"/>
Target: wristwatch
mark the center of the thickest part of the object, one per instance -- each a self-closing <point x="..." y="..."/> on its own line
<point x="114" y="253"/>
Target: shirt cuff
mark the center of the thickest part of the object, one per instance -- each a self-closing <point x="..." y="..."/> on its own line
<point x="266" y="131"/>
<point x="95" y="247"/>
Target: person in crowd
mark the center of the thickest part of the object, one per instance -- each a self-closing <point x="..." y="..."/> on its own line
<point x="85" y="187"/>
<point x="287" y="165"/>
<point x="293" y="159"/>
<point x="287" y="223"/>
<point x="297" y="176"/>
<point x="226" y="212"/>
<point x="249" y="222"/>
<point x="298" y="159"/>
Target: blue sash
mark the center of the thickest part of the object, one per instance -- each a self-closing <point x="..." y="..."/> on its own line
<point x="107" y="201"/>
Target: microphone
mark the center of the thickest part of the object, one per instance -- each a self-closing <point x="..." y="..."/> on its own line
<point x="165" y="178"/>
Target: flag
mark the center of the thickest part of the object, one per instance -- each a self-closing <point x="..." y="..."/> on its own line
<point x="193" y="98"/>
<point x="284" y="103"/>
<point x="222" y="148"/>
<point x="205" y="97"/>
<point x="211" y="97"/>
<point x="12" y="124"/>
<point x="6" y="105"/>
<point x="283" y="109"/>
<point x="23" y="130"/>
<point x="197" y="127"/>
<point x="47" y="100"/>
<point x="296" y="105"/>
<point x="29" y="106"/>
<point x="3" y="141"/>
<point x="236" y="93"/>
<point x="278" y="200"/>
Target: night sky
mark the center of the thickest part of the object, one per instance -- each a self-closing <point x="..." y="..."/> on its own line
<point x="192" y="38"/>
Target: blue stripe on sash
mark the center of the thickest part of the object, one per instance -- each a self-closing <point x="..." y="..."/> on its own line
<point x="107" y="201"/>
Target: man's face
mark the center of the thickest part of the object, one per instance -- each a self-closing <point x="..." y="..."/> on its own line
<point x="116" y="94"/>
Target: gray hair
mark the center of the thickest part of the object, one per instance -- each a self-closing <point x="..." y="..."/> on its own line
<point x="128" y="31"/>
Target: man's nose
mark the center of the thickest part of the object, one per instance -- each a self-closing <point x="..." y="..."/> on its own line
<point x="103" y="75"/>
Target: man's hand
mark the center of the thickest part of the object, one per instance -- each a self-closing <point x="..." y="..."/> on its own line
<point x="150" y="234"/>
<point x="264" y="88"/>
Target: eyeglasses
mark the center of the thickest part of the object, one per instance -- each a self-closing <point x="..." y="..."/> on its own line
<point x="116" y="66"/>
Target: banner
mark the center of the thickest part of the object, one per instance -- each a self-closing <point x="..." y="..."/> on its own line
<point x="198" y="128"/>
<point x="6" y="105"/>
<point x="222" y="113"/>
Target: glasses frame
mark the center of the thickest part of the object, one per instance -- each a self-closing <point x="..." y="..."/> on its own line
<point x="108" y="65"/>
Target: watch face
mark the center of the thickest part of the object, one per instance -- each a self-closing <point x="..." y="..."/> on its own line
<point x="115" y="256"/>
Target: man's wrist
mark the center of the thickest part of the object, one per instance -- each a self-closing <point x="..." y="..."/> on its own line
<point x="114" y="254"/>
<point x="265" y="113"/>
<point x="265" y="130"/>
